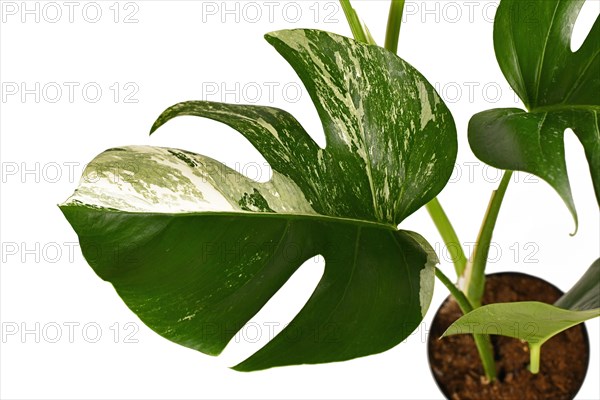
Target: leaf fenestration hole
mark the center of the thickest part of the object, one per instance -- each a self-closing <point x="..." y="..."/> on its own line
<point x="582" y="187"/>
<point x="279" y="311"/>
<point x="584" y="23"/>
<point x="215" y="140"/>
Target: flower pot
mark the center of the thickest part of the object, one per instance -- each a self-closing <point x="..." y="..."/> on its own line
<point x="458" y="371"/>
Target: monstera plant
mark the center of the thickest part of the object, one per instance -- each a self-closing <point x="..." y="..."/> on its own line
<point x="196" y="249"/>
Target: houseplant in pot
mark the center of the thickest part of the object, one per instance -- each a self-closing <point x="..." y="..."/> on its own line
<point x="559" y="89"/>
<point x="174" y="216"/>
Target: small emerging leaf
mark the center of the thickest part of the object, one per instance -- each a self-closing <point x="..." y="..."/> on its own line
<point x="532" y="321"/>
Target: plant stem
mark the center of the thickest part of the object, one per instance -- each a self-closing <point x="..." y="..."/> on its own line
<point x="444" y="227"/>
<point x="482" y="342"/>
<point x="359" y="30"/>
<point x="534" y="358"/>
<point x="392" y="34"/>
<point x="460" y="297"/>
<point x="486" y="355"/>
<point x="474" y="282"/>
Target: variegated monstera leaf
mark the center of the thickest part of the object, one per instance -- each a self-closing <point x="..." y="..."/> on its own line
<point x="196" y="249"/>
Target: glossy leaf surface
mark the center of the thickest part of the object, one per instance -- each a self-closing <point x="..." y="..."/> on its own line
<point x="196" y="249"/>
<point x="560" y="89"/>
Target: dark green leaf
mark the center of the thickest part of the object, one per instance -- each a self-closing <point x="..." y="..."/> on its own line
<point x="196" y="249"/>
<point x="559" y="88"/>
<point x="585" y="294"/>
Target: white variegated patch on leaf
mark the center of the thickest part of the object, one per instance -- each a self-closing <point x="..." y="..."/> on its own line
<point x="155" y="179"/>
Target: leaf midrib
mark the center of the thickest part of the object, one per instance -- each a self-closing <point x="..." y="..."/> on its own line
<point x="566" y="107"/>
<point x="241" y="214"/>
<point x="543" y="58"/>
<point x="577" y="83"/>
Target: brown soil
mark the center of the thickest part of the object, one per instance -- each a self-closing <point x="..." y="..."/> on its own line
<point x="455" y="363"/>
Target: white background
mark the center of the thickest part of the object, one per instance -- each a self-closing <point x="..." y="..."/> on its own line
<point x="181" y="50"/>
